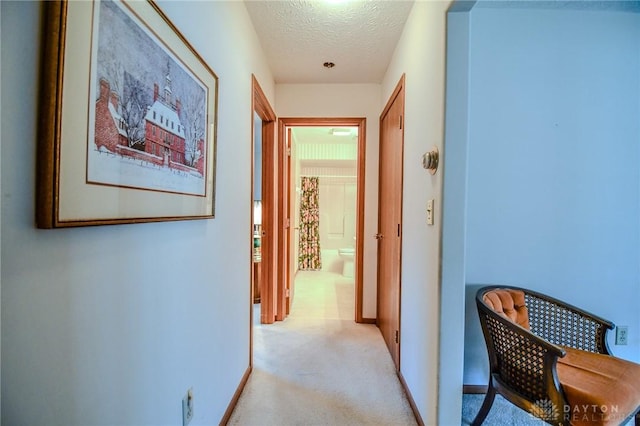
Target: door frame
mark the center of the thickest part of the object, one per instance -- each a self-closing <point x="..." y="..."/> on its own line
<point x="260" y="106"/>
<point x="284" y="256"/>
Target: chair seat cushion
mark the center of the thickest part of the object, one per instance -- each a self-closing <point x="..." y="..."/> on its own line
<point x="601" y="389"/>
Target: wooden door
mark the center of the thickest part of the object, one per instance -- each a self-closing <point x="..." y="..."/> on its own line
<point x="390" y="220"/>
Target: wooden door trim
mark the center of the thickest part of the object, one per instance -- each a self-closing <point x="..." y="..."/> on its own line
<point x="394" y="95"/>
<point x="260" y="106"/>
<point x="361" y="123"/>
<point x="398" y="91"/>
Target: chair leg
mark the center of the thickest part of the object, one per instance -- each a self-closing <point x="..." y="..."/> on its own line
<point x="486" y="406"/>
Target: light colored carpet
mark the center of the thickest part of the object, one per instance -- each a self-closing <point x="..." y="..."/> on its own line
<point x="318" y="367"/>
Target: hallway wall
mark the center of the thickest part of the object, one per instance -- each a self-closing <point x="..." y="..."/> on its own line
<point x="91" y="333"/>
<point x="420" y="54"/>
<point x="553" y="175"/>
<point x="346" y="100"/>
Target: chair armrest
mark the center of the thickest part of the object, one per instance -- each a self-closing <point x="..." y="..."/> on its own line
<point x="566" y="325"/>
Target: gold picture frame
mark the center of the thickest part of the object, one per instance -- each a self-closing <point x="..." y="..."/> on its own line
<point x="127" y="120"/>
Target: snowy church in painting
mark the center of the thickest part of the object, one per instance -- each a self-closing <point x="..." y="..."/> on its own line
<point x="164" y="140"/>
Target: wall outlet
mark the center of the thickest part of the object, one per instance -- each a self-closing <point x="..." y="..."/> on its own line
<point x="187" y="407"/>
<point x="621" y="334"/>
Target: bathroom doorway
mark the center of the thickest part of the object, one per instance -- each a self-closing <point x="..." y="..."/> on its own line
<point x="324" y="166"/>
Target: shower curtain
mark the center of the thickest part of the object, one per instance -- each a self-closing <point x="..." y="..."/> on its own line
<point x="309" y="244"/>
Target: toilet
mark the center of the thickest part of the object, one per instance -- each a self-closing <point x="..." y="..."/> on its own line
<point x="347" y="255"/>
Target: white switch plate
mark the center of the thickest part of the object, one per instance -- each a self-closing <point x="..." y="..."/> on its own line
<point x="430" y="204"/>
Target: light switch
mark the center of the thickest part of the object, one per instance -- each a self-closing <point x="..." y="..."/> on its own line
<point x="430" y="212"/>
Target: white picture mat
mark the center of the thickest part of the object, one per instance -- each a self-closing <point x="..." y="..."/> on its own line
<point x="79" y="201"/>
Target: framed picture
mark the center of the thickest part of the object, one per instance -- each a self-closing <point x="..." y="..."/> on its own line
<point x="127" y="126"/>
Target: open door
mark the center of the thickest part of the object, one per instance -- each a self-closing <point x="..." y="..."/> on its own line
<point x="289" y="289"/>
<point x="283" y="290"/>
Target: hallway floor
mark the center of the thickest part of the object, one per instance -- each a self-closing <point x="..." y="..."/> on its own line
<point x="318" y="367"/>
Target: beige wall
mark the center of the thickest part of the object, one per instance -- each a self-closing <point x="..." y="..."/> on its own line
<point x="346" y="100"/>
<point x="91" y="332"/>
<point x="420" y="55"/>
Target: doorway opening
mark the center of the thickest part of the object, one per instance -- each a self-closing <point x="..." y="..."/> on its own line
<point x="322" y="203"/>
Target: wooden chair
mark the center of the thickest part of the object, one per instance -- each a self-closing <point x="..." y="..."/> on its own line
<point x="552" y="360"/>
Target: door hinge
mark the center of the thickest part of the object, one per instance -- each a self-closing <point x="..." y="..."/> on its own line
<point x="287" y="293"/>
<point x="288" y="152"/>
<point x="400" y="122"/>
<point x="397" y="337"/>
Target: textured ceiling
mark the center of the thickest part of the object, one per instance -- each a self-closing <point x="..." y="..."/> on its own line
<point x="359" y="36"/>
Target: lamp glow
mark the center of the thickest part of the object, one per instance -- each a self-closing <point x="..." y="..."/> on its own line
<point x="257" y="212"/>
